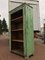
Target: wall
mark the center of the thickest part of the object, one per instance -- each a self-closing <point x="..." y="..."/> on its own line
<point x="36" y="17"/>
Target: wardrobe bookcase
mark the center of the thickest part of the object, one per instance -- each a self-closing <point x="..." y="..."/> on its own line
<point x="21" y="30"/>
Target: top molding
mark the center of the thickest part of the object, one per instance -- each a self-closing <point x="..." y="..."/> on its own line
<point x="28" y="2"/>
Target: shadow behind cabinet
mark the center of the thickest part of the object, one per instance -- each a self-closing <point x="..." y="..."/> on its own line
<point x="21" y="30"/>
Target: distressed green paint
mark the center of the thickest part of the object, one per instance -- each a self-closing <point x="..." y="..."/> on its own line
<point x="28" y="31"/>
<point x="24" y="30"/>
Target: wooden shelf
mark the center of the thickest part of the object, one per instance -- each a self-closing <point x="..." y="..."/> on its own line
<point x="18" y="40"/>
<point x="17" y="30"/>
<point x="17" y="52"/>
<point x="17" y="18"/>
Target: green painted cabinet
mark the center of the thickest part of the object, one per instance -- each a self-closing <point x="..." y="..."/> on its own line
<point x="21" y="30"/>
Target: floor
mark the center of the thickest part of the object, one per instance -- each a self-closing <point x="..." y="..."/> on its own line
<point x="5" y="54"/>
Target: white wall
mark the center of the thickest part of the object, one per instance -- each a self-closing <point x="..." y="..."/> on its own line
<point x="36" y="15"/>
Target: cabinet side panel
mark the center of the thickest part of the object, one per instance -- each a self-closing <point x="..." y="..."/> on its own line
<point x="9" y="32"/>
<point x="24" y="30"/>
<point x="29" y="31"/>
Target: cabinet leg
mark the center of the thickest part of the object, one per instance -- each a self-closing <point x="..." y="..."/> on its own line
<point x="26" y="58"/>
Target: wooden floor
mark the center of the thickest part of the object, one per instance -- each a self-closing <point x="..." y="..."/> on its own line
<point x="5" y="54"/>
